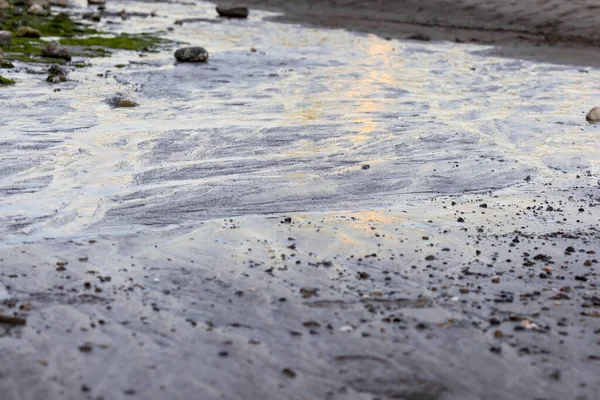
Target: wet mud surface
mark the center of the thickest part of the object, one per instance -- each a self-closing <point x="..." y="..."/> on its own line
<point x="334" y="215"/>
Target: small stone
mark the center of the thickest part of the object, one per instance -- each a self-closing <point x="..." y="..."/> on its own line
<point x="127" y="103"/>
<point x="420" y="37"/>
<point x="461" y="220"/>
<point x="498" y="334"/>
<point x="95" y="16"/>
<point x="233" y="12"/>
<point x="28" y="32"/>
<point x="60" y="3"/>
<point x="5" y="38"/>
<point x="36" y="9"/>
<point x="56" y="50"/>
<point x="366" y="166"/>
<point x="120" y="101"/>
<point x="289" y="372"/>
<point x="191" y="54"/>
<point x="1" y="56"/>
<point x="363" y="275"/>
<point x="4" y="5"/>
<point x="593" y="115"/>
<point x="42" y="3"/>
<point x="85" y="348"/>
<point x="96" y="2"/>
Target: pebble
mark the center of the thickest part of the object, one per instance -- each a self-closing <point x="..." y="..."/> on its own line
<point x="93" y="16"/>
<point x="56" y="50"/>
<point x="191" y="54"/>
<point x="5" y="38"/>
<point x="593" y="115"/>
<point x="233" y="12"/>
<point x="42" y="3"/>
<point x="56" y="74"/>
<point x="120" y="101"/>
<point x="96" y="2"/>
<point x="28" y="32"/>
<point x="36" y="9"/>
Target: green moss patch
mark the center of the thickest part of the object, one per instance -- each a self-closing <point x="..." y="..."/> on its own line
<point x="58" y="25"/>
<point x="138" y="42"/>
<point x="5" y="81"/>
<point x="26" y="50"/>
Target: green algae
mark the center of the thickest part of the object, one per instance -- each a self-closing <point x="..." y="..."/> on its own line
<point x="83" y="40"/>
<point x="26" y="50"/>
<point x="58" y="25"/>
<point x="5" y="81"/>
<point x="136" y="42"/>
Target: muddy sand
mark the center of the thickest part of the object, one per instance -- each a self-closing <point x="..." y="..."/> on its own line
<point x="315" y="213"/>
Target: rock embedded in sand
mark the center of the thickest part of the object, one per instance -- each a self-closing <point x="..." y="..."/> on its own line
<point x="60" y="3"/>
<point x="192" y="54"/>
<point x="93" y="16"/>
<point x="56" y="74"/>
<point x="56" y="50"/>
<point x="38" y="10"/>
<point x="121" y="101"/>
<point x="5" y="38"/>
<point x="28" y="32"/>
<point x="593" y="115"/>
<point x="233" y="12"/>
<point x="96" y="2"/>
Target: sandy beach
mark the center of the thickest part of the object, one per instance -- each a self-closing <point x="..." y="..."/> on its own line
<point x="350" y="200"/>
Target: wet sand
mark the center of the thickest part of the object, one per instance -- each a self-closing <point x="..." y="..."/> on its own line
<point x="557" y="31"/>
<point x="333" y="216"/>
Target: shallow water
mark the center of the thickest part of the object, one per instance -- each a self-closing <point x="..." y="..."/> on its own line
<point x="287" y="128"/>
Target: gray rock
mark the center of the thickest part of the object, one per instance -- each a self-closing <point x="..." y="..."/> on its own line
<point x="36" y="9"/>
<point x="28" y="32"/>
<point x="56" y="50"/>
<point x="93" y="16"/>
<point x="1" y="56"/>
<point x="57" y="70"/>
<point x="593" y="115"/>
<point x="233" y="12"/>
<point x="4" y="5"/>
<point x="5" y="38"/>
<point x="192" y="54"/>
<point x="43" y="3"/>
<point x="96" y="2"/>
